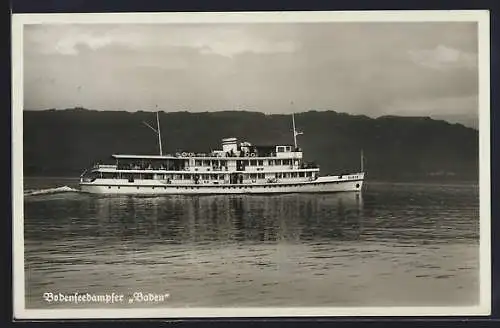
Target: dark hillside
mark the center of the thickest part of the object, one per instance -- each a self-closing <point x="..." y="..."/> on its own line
<point x="64" y="142"/>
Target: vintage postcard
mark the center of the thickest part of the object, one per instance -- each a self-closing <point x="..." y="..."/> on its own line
<point x="180" y="165"/>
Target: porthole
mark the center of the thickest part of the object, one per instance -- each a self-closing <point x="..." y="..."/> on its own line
<point x="357" y="185"/>
<point x="109" y="187"/>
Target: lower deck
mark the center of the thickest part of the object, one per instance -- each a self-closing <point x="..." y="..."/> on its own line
<point x="202" y="177"/>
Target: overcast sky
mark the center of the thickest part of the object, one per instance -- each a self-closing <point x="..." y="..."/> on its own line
<point x="410" y="69"/>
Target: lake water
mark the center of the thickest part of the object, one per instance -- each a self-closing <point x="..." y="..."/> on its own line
<point x="397" y="244"/>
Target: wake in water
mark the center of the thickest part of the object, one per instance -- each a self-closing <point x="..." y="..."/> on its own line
<point x="63" y="189"/>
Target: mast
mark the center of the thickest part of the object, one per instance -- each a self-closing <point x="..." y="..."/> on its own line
<point x="294" y="132"/>
<point x="362" y="161"/>
<point x="159" y="131"/>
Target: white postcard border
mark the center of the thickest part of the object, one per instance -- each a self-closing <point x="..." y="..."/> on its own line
<point x="479" y="16"/>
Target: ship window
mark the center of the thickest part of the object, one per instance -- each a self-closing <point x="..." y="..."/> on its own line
<point x="109" y="187"/>
<point x="206" y="163"/>
<point x="308" y="174"/>
<point x="271" y="162"/>
<point x="301" y="174"/>
<point x="286" y="162"/>
<point x="253" y="176"/>
<point x="245" y="163"/>
<point x="277" y="162"/>
<point x="261" y="162"/>
<point x="294" y="174"/>
<point x="260" y="175"/>
<point x="280" y="149"/>
<point x="288" y="148"/>
<point x="253" y="162"/>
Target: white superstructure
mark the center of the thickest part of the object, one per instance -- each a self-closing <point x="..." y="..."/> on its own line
<point x="237" y="168"/>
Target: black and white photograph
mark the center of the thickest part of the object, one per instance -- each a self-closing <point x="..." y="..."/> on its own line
<point x="181" y="165"/>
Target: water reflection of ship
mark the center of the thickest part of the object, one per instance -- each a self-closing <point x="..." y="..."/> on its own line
<point x="238" y="218"/>
<point x="128" y="216"/>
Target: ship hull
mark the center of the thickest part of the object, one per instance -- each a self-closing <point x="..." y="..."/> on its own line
<point x="145" y="187"/>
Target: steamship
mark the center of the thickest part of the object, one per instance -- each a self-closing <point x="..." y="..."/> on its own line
<point x="237" y="168"/>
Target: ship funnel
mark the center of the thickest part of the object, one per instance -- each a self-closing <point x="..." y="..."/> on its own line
<point x="229" y="144"/>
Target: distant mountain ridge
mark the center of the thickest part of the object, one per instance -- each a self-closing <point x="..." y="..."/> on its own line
<point x="64" y="142"/>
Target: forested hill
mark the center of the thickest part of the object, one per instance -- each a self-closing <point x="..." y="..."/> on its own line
<point x="64" y="142"/>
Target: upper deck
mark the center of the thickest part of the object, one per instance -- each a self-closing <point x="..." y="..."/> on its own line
<point x="233" y="157"/>
<point x="231" y="150"/>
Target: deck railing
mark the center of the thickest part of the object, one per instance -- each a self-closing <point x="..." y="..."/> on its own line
<point x="104" y="166"/>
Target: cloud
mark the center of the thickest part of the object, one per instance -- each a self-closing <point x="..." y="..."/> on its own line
<point x="361" y="68"/>
<point x="258" y="46"/>
<point x="443" y="57"/>
<point x="223" y="41"/>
